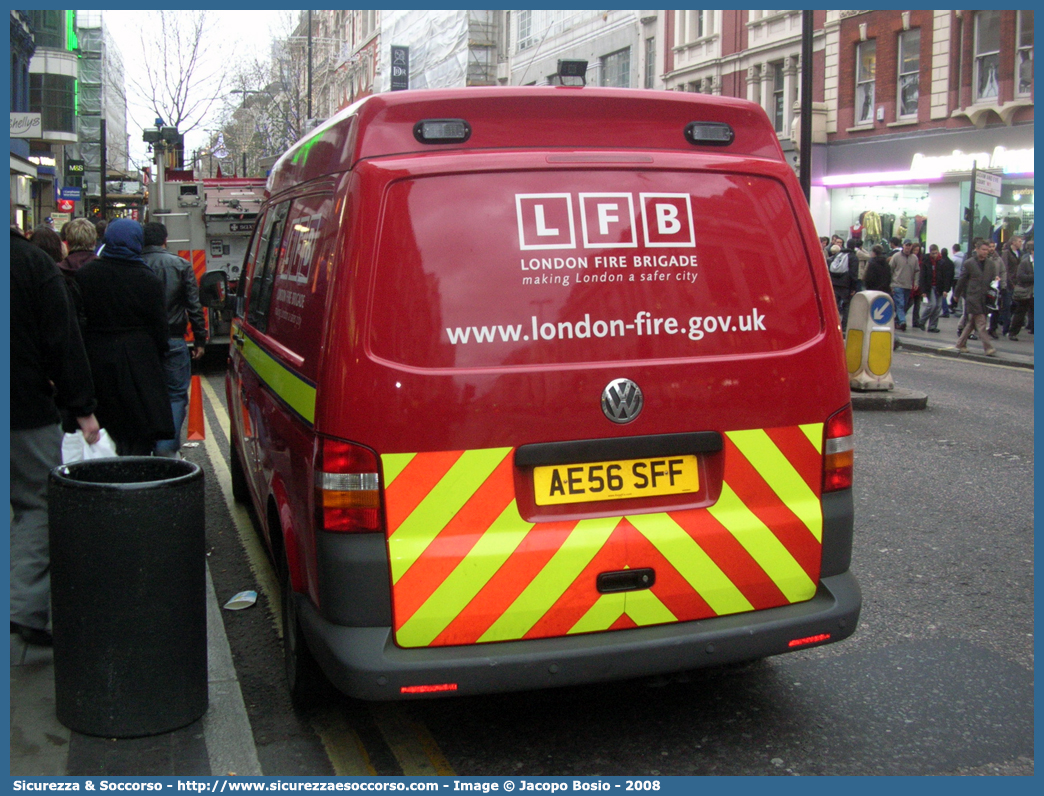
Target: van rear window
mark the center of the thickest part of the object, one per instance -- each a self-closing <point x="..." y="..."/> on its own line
<point x="558" y="267"/>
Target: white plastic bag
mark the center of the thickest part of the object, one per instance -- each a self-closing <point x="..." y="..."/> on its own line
<point x="76" y="449"/>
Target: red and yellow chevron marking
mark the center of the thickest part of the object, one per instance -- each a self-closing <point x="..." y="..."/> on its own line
<point x="466" y="568"/>
<point x="198" y="258"/>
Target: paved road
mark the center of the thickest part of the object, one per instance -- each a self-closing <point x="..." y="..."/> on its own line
<point x="937" y="680"/>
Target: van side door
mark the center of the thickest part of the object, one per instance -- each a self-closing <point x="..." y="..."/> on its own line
<point x="253" y="301"/>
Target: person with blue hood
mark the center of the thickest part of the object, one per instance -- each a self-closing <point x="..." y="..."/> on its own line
<point x="126" y="337"/>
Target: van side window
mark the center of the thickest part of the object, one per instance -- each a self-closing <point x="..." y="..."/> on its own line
<point x="248" y="268"/>
<point x="269" y="251"/>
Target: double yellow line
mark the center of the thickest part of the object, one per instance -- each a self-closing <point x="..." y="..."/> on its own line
<point x="409" y="740"/>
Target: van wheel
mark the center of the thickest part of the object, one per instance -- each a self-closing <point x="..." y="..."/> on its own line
<point x="240" y="490"/>
<point x="307" y="683"/>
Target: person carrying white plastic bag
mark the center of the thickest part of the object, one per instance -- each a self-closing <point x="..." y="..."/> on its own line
<point x="79" y="448"/>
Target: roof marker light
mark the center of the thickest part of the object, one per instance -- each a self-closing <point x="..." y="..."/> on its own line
<point x="442" y="131"/>
<point x="709" y="134"/>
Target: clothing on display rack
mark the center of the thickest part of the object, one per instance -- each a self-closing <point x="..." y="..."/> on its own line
<point x="887" y="225"/>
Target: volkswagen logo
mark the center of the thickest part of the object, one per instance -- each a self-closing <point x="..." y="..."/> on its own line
<point x="622" y="400"/>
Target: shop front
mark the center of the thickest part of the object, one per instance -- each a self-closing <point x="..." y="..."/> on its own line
<point x="919" y="187"/>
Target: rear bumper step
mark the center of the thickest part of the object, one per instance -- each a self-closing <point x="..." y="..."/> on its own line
<point x="365" y="663"/>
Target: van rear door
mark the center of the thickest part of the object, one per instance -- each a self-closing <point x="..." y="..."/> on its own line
<point x="508" y="290"/>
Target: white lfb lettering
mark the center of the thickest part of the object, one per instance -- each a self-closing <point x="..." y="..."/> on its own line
<point x="542" y="229"/>
<point x="605" y="217"/>
<point x="667" y="222"/>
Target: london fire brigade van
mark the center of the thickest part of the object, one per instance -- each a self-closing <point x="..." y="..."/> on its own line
<point x="532" y="387"/>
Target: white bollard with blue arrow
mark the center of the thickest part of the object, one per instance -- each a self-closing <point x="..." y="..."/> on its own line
<point x="869" y="341"/>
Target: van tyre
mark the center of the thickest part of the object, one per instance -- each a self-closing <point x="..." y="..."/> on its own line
<point x="240" y="490"/>
<point x="306" y="681"/>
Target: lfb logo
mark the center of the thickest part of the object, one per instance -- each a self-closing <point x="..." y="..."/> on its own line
<point x="606" y="220"/>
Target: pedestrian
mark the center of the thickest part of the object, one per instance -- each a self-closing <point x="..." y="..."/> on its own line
<point x="979" y="271"/>
<point x="878" y="274"/>
<point x="844" y="281"/>
<point x="916" y="297"/>
<point x="47" y="239"/>
<point x="181" y="295"/>
<point x="49" y="370"/>
<point x="936" y="278"/>
<point x="1022" y="293"/>
<point x="993" y="313"/>
<point x="126" y="338"/>
<point x="948" y="264"/>
<point x="81" y="238"/>
<point x="1011" y="255"/>
<point x="958" y="266"/>
<point x="904" y="265"/>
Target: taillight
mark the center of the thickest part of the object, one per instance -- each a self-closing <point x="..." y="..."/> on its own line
<point x="347" y="487"/>
<point x="838" y="451"/>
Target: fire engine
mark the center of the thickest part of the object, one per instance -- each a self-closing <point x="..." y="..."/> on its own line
<point x="209" y="222"/>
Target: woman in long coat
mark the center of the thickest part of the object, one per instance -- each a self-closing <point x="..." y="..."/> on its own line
<point x="126" y="337"/>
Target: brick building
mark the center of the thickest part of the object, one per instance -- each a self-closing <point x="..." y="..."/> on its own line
<point x="903" y="103"/>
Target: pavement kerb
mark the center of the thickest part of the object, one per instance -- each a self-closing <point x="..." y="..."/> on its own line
<point x="953" y="353"/>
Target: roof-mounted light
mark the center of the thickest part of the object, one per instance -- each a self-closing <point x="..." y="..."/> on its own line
<point x="709" y="134"/>
<point x="572" y="72"/>
<point x="442" y="131"/>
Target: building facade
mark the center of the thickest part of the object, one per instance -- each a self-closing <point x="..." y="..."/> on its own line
<point x="53" y="73"/>
<point x="24" y="123"/>
<point x="915" y="99"/>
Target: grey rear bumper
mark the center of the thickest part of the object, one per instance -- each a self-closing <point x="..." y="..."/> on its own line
<point x="365" y="663"/>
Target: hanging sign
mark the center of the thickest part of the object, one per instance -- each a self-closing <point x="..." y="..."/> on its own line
<point x="989" y="184"/>
<point x="400" y="67"/>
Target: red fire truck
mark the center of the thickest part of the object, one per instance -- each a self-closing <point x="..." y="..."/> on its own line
<point x="209" y="222"/>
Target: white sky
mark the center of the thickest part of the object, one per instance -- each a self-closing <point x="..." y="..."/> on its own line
<point x="242" y="34"/>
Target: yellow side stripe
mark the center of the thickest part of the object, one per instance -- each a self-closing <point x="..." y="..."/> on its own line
<point x="298" y="393"/>
<point x="565" y="566"/>
<point x="417" y="531"/>
<point x="692" y="563"/>
<point x="763" y="546"/>
<point x="494" y="546"/>
<point x="759" y="449"/>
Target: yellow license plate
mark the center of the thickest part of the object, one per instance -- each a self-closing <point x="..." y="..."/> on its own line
<point x="630" y="478"/>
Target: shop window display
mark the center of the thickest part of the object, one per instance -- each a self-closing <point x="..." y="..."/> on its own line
<point x="877" y="214"/>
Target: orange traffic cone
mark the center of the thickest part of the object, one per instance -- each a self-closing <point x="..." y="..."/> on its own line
<point x="196" y="428"/>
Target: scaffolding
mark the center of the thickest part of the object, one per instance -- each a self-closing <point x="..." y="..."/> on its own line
<point x="102" y="94"/>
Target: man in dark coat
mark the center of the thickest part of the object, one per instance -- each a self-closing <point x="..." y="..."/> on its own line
<point x="181" y="294"/>
<point x="126" y="337"/>
<point x="979" y="271"/>
<point x="878" y="274"/>
<point x="49" y="369"/>
<point x="936" y="279"/>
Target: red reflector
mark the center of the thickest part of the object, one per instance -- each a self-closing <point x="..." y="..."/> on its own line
<point x="427" y="689"/>
<point x="800" y="642"/>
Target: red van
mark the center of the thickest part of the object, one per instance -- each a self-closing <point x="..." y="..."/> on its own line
<point x="541" y="386"/>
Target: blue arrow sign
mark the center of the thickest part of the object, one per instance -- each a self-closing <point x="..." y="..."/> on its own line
<point x="881" y="310"/>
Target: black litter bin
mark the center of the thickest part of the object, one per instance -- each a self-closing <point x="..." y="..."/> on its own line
<point x="128" y="595"/>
